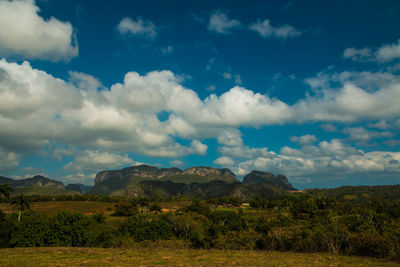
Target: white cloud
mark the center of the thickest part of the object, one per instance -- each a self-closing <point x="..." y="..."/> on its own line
<point x="23" y="33"/>
<point x="242" y="152"/>
<point x="326" y="161"/>
<point x="139" y="27"/>
<point x="304" y="140"/>
<point x="388" y="52"/>
<point x="224" y="161"/>
<point x="8" y="160"/>
<point x="357" y="54"/>
<point x="382" y="124"/>
<point x="176" y="163"/>
<point x="93" y="161"/>
<point x="383" y="54"/>
<point x="362" y="134"/>
<point x="85" y="81"/>
<point x="240" y="106"/>
<point x="266" y="30"/>
<point x="220" y="23"/>
<point x="108" y="119"/>
<point x="230" y="138"/>
<point x="329" y="128"/>
<point x="83" y="178"/>
<point x="353" y="100"/>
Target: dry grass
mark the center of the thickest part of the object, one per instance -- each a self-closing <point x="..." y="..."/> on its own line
<point x="172" y="257"/>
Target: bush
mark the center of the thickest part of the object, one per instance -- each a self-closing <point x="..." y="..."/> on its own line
<point x="155" y="207"/>
<point x="122" y="209"/>
<point x="141" y="228"/>
<point x="68" y="229"/>
<point x="31" y="231"/>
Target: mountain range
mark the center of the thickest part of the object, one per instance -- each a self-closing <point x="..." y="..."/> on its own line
<point x="145" y="180"/>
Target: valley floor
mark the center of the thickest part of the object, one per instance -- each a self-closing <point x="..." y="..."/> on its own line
<point x="173" y="257"/>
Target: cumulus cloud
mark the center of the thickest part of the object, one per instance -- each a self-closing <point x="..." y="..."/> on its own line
<point x="353" y="99"/>
<point x="23" y="33"/>
<point x="139" y="27"/>
<point x="85" y="81"/>
<point x="266" y="30"/>
<point x="219" y="22"/>
<point x="362" y="134"/>
<point x="8" y="160"/>
<point x="176" y="163"/>
<point x="329" y="128"/>
<point x="325" y="161"/>
<point x="38" y="110"/>
<point x="67" y="113"/>
<point x="224" y="161"/>
<point x="243" y="152"/>
<point x="382" y="54"/>
<point x="304" y="140"/>
<point x="92" y="161"/>
<point x="354" y="54"/>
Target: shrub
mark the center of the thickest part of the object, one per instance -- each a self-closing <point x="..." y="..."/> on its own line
<point x="68" y="229"/>
<point x="122" y="209"/>
<point x="142" y="228"/>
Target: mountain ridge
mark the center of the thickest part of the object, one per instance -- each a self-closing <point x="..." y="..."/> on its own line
<point x="146" y="180"/>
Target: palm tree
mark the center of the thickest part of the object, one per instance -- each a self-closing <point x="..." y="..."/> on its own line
<point x="144" y="202"/>
<point x="5" y="190"/>
<point x="21" y="203"/>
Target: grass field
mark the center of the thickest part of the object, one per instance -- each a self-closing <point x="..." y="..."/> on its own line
<point x="53" y="207"/>
<point x="172" y="257"/>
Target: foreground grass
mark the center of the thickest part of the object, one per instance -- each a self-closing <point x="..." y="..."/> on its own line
<point x="172" y="257"/>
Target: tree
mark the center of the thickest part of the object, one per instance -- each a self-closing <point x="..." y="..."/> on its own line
<point x="143" y="202"/>
<point x="21" y="203"/>
<point x="5" y="190"/>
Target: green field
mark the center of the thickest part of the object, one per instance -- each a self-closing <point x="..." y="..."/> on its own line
<point x="53" y="207"/>
<point x="173" y="257"/>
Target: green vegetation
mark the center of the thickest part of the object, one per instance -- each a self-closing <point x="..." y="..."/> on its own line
<point x="5" y="190"/>
<point x="299" y="222"/>
<point x="21" y="203"/>
<point x="173" y="257"/>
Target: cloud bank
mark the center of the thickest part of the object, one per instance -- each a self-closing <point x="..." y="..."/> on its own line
<point x="25" y="34"/>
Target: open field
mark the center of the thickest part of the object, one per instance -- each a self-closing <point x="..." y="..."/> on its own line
<point x="172" y="257"/>
<point x="53" y="207"/>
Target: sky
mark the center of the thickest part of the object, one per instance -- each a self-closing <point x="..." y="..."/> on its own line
<point x="307" y="89"/>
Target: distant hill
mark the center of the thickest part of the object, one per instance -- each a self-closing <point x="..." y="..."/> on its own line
<point x="209" y="190"/>
<point x="260" y="177"/>
<point x="37" y="185"/>
<point x="78" y="188"/>
<point x="203" y="182"/>
<point x="127" y="181"/>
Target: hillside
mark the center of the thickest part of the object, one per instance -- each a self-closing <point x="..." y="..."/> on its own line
<point x="128" y="181"/>
<point x="36" y="185"/>
<point x="259" y="177"/>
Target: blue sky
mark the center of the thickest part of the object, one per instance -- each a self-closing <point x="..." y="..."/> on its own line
<point x="308" y="89"/>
